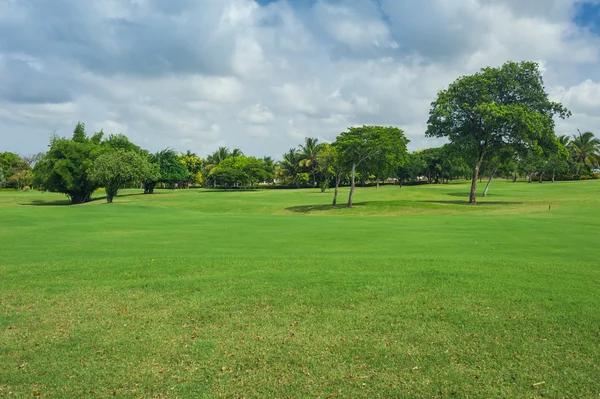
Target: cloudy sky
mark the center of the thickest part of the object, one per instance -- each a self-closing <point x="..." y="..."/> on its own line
<point x="263" y="74"/>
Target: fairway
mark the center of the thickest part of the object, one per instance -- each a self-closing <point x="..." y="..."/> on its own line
<point x="275" y="294"/>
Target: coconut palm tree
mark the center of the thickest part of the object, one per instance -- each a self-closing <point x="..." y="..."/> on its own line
<point x="236" y="153"/>
<point x="585" y="149"/>
<point x="290" y="164"/>
<point x="308" y="155"/>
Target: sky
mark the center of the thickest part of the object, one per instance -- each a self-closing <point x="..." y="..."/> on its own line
<point x="261" y="75"/>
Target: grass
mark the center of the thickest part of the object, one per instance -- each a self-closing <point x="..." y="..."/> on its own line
<point x="268" y="293"/>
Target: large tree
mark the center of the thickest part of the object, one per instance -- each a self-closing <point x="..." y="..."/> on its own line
<point x="65" y="167"/>
<point x="494" y="109"/>
<point x="369" y="144"/>
<point x="114" y="169"/>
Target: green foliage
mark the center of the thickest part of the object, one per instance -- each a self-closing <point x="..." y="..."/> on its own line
<point x="194" y="165"/>
<point x="585" y="150"/>
<point x="65" y="167"/>
<point x="380" y="149"/>
<point x="2" y="178"/>
<point x="290" y="166"/>
<point x="15" y="170"/>
<point x="494" y="109"/>
<point x="121" y="142"/>
<point x="171" y="170"/>
<point x="117" y="168"/>
<point x="240" y="171"/>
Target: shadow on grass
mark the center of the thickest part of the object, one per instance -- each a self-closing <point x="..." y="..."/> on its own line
<point x="466" y="202"/>
<point x="64" y="202"/>
<point x="326" y="207"/>
<point x="220" y="190"/>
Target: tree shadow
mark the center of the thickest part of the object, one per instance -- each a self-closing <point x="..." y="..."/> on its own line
<point x="466" y="202"/>
<point x="65" y="202"/>
<point x="325" y="207"/>
<point x="220" y="190"/>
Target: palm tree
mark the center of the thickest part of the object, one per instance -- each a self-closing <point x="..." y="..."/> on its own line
<point x="213" y="160"/>
<point x="236" y="153"/>
<point x="585" y="149"/>
<point x="290" y="164"/>
<point x="308" y="155"/>
<point x="269" y="167"/>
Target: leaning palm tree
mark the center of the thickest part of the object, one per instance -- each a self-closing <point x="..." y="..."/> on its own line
<point x="308" y="155"/>
<point x="585" y="149"/>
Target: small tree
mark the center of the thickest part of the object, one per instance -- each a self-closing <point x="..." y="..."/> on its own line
<point x="64" y="168"/>
<point x="492" y="110"/>
<point x="117" y="168"/>
<point x="369" y="143"/>
<point x="331" y="165"/>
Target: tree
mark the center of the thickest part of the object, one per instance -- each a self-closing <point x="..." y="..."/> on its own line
<point x="194" y="165"/>
<point x="32" y="160"/>
<point x="13" y="167"/>
<point x="412" y="169"/>
<point x="20" y="179"/>
<point x="64" y="168"/>
<point x="495" y="109"/>
<point x="308" y="156"/>
<point x="290" y="165"/>
<point x="586" y="150"/>
<point x="170" y="168"/>
<point x="331" y="165"/>
<point x="269" y="167"/>
<point x="121" y="142"/>
<point x="2" y="178"/>
<point x="368" y="143"/>
<point x="213" y="160"/>
<point x="117" y="168"/>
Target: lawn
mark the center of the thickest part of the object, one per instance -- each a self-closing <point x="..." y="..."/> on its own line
<point x="275" y="294"/>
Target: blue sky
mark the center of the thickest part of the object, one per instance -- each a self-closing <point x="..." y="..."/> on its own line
<point x="198" y="74"/>
<point x="588" y="15"/>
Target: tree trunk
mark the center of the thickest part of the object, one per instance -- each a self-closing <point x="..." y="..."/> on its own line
<point x="351" y="186"/>
<point x="487" y="186"/>
<point x="338" y="177"/>
<point x="529" y="177"/>
<point x="553" y="176"/>
<point x="541" y="177"/>
<point x="514" y="177"/>
<point x="377" y="183"/>
<point x="473" y="195"/>
<point x="401" y="181"/>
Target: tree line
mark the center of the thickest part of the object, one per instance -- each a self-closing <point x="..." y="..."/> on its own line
<point x="498" y="122"/>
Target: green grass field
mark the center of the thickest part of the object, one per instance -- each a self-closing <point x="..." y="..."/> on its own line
<point x="275" y="294"/>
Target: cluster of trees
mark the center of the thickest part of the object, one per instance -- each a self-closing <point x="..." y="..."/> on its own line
<point x="498" y="122"/>
<point x="79" y="165"/>
<point x="16" y="170"/>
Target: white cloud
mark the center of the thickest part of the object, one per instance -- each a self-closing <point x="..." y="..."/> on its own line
<point x="199" y="74"/>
